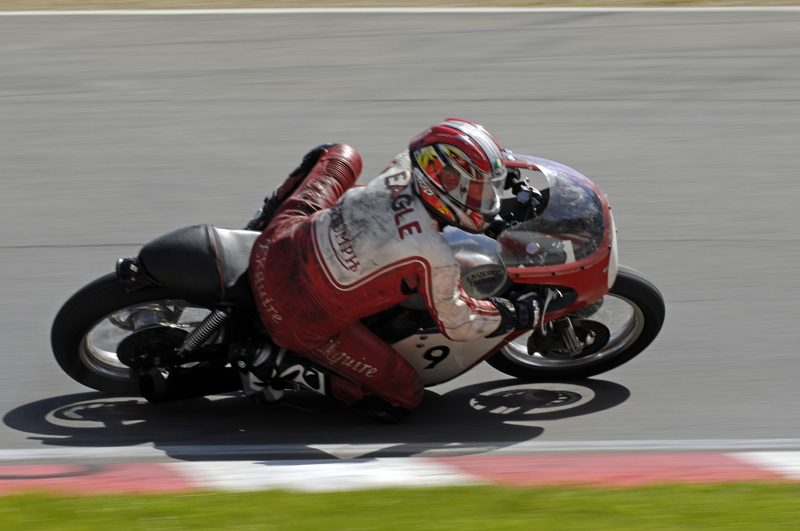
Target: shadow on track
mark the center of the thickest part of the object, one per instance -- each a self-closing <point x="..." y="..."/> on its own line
<point x="468" y="420"/>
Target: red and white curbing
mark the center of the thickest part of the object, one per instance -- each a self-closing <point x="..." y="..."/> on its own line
<point x="605" y="470"/>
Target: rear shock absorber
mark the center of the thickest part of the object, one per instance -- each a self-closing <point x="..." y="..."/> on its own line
<point x="203" y="331"/>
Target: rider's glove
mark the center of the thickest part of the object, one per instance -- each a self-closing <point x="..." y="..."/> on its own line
<point x="519" y="313"/>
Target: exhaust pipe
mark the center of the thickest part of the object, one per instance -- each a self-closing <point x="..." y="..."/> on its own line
<point x="181" y="384"/>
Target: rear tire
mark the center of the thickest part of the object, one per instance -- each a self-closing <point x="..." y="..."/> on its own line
<point x="633" y="309"/>
<point x="87" y="319"/>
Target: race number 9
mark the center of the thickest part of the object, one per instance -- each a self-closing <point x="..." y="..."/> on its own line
<point x="436" y="355"/>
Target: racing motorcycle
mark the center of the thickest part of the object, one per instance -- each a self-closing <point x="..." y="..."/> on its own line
<point x="163" y="324"/>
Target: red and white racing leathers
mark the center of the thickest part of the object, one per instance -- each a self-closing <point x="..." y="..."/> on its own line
<point x="334" y="254"/>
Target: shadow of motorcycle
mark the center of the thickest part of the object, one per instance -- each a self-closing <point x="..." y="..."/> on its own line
<point x="475" y="419"/>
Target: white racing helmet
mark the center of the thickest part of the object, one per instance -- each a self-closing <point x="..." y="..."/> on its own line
<point x="459" y="173"/>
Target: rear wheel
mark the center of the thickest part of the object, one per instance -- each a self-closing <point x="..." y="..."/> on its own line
<point x="103" y="324"/>
<point x="628" y="320"/>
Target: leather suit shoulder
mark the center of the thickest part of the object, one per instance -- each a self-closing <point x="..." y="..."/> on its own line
<point x="379" y="227"/>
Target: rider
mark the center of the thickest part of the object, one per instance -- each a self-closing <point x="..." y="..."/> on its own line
<point x="332" y="253"/>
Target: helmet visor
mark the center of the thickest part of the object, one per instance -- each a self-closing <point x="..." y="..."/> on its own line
<point x="474" y="194"/>
<point x="485" y="196"/>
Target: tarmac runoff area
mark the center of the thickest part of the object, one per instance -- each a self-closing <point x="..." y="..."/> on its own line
<point x="713" y="93"/>
<point x="603" y="470"/>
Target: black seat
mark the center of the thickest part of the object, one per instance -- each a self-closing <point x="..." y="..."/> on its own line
<point x="202" y="263"/>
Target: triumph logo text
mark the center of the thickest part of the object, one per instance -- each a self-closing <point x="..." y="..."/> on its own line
<point x="340" y="241"/>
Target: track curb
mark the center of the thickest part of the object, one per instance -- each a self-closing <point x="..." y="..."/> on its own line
<point x="597" y="470"/>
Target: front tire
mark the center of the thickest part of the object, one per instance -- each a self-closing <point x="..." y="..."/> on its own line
<point x="93" y="322"/>
<point x="633" y="312"/>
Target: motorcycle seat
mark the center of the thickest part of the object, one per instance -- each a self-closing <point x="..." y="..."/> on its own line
<point x="202" y="263"/>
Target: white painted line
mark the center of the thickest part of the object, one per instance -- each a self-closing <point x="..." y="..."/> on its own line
<point x="401" y="10"/>
<point x="786" y="464"/>
<point x="115" y="452"/>
<point x="321" y="477"/>
<point x="249" y="452"/>
<point x="430" y="449"/>
<point x="701" y="445"/>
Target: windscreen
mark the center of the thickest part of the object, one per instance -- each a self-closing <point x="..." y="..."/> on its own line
<point x="569" y="229"/>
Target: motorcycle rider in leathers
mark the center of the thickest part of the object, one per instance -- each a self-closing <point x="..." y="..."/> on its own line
<point x="332" y="253"/>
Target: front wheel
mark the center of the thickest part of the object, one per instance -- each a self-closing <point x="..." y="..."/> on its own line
<point x="90" y="330"/>
<point x="628" y="320"/>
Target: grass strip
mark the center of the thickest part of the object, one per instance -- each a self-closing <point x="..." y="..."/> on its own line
<point x="707" y="507"/>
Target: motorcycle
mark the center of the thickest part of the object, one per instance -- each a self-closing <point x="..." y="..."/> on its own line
<point x="162" y="325"/>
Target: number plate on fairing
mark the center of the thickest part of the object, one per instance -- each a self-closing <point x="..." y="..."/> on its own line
<point x="438" y="359"/>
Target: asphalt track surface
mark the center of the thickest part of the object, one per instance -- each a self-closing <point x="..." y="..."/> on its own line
<point x="117" y="129"/>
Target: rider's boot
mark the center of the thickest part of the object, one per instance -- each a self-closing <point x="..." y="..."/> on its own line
<point x="274" y="200"/>
<point x="256" y="377"/>
<point x="266" y="370"/>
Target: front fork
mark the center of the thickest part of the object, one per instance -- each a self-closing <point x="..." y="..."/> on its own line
<point x="557" y="335"/>
<point x="563" y="330"/>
